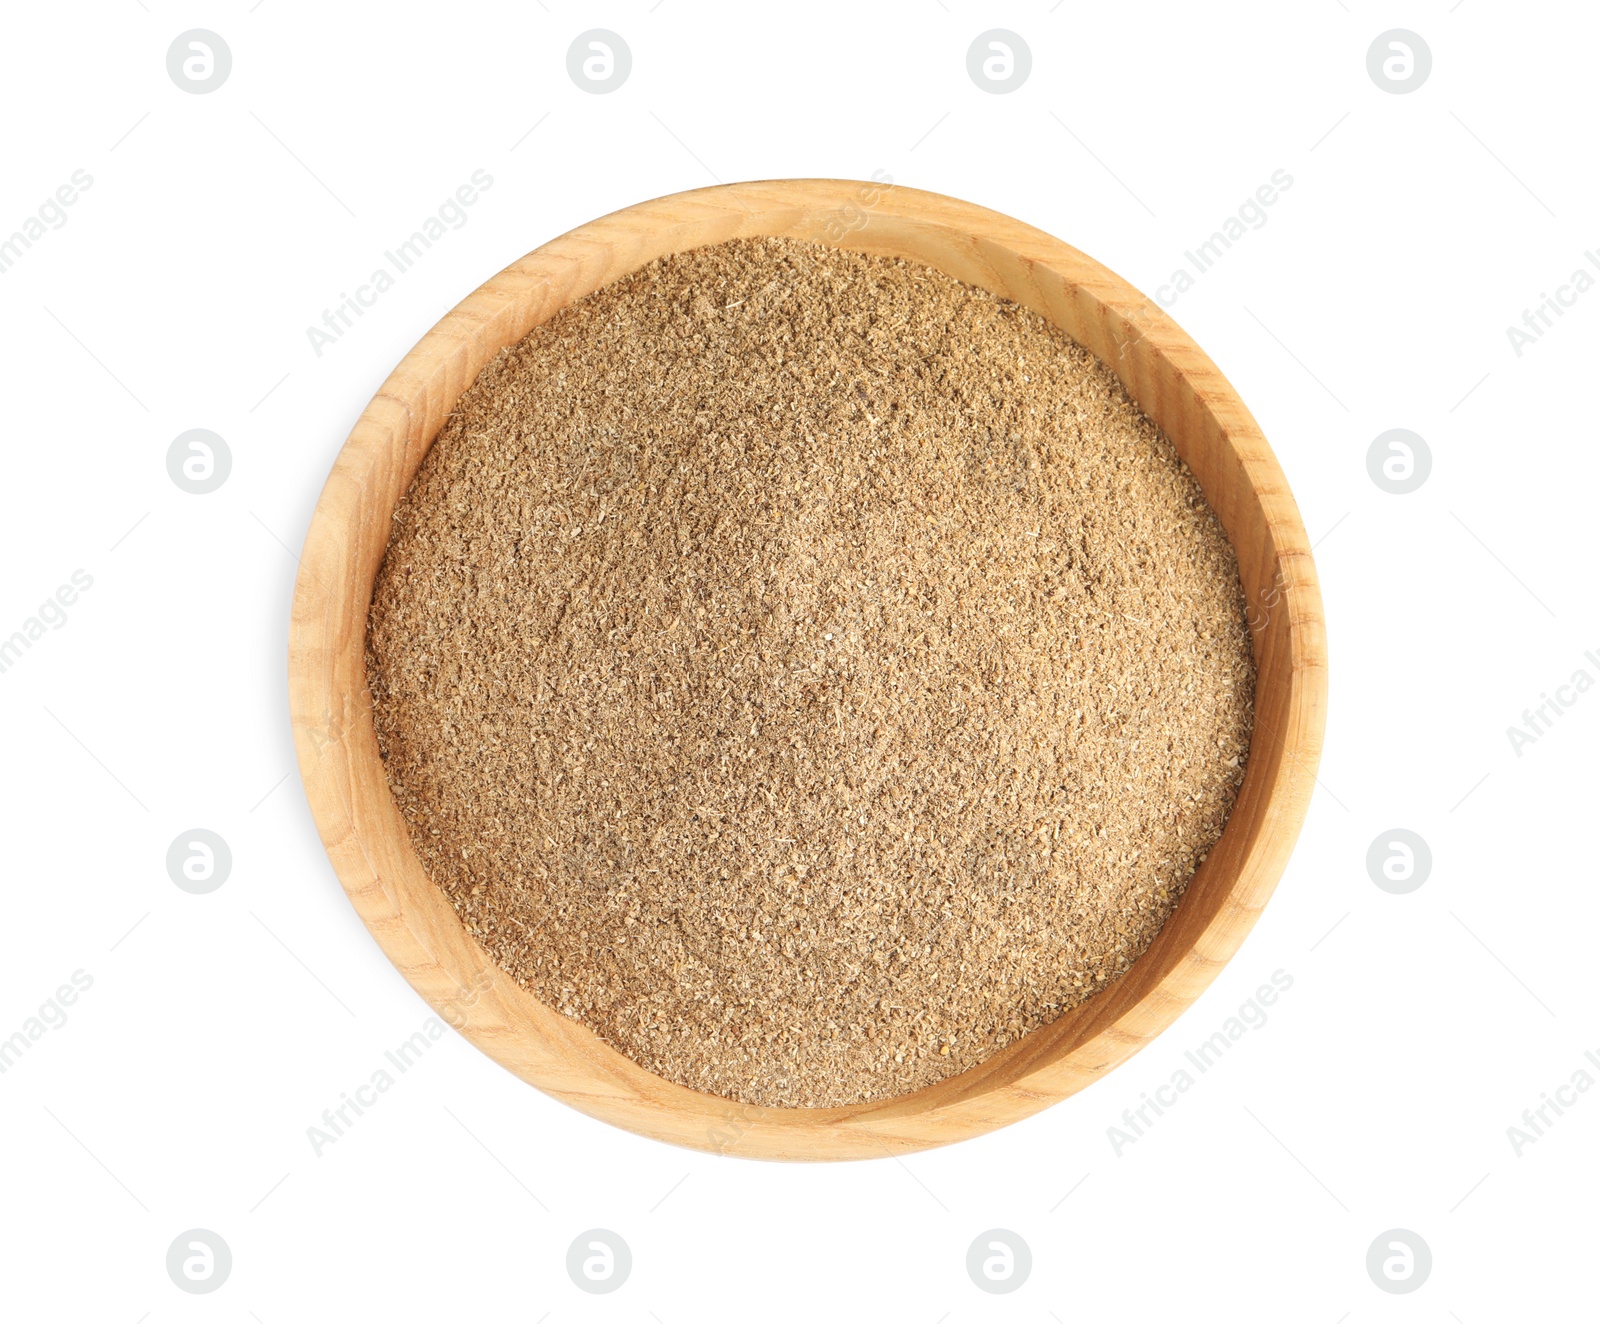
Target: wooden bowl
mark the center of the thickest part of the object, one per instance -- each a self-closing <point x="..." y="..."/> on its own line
<point x="1164" y="371"/>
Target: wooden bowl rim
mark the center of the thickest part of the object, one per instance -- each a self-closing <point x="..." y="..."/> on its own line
<point x="414" y="922"/>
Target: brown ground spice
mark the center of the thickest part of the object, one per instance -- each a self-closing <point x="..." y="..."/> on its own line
<point x="808" y="671"/>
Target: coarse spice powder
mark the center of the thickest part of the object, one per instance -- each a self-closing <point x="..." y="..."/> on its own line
<point x="808" y="671"/>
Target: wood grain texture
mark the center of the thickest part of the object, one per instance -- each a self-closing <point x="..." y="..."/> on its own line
<point x="1172" y="381"/>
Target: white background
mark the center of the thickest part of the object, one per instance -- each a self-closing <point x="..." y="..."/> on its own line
<point x="177" y="295"/>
